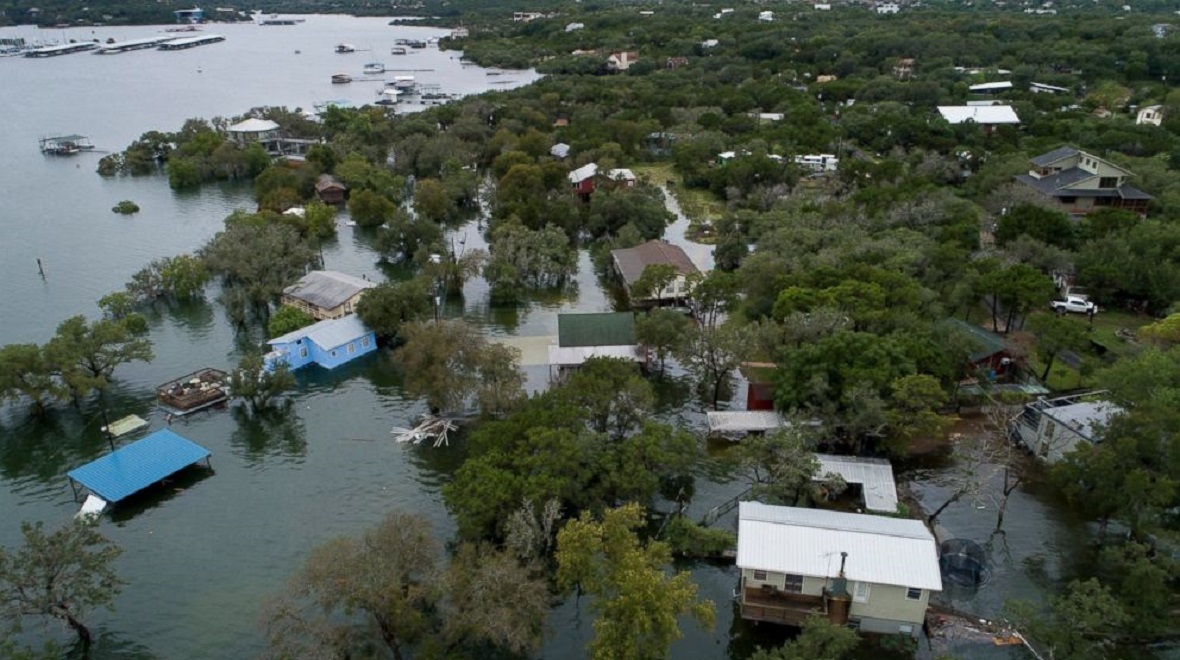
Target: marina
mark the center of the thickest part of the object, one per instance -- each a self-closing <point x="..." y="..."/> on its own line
<point x="134" y="44"/>
<point x="191" y="42"/>
<point x="63" y="49"/>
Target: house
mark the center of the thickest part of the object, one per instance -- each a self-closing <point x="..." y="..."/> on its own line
<point x="675" y="62"/>
<point x="253" y="130"/>
<point x="194" y="15"/>
<point x="621" y="60"/>
<point x="582" y="179"/>
<point x="823" y="7"/>
<point x="873" y="573"/>
<point x="818" y="162"/>
<point x="630" y="263"/>
<point x="990" y="87"/>
<point x="329" y="343"/>
<point x="1051" y="428"/>
<point x="330" y="190"/>
<point x="574" y="27"/>
<point x="526" y="16"/>
<point x="326" y="294"/>
<point x="560" y="151"/>
<point x="766" y="16"/>
<point x="888" y="8"/>
<point x="988" y="116"/>
<point x="709" y="43"/>
<point x="583" y="336"/>
<point x="1152" y="114"/>
<point x="1077" y="183"/>
<point x="460" y="33"/>
<point x="622" y="177"/>
<point x="993" y="358"/>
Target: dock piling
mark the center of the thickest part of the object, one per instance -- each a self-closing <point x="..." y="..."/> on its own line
<point x="40" y="269"/>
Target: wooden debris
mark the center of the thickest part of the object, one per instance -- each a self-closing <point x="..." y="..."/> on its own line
<point x="431" y="427"/>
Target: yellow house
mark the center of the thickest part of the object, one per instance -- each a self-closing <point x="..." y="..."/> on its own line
<point x="872" y="573"/>
<point x="326" y="294"/>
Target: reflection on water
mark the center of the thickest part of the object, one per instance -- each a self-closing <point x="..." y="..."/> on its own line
<point x="158" y="494"/>
<point x="270" y="433"/>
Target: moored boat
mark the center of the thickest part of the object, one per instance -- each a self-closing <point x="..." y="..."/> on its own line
<point x="341" y="79"/>
<point x="373" y="68"/>
<point x="345" y="48"/>
<point x="397" y="50"/>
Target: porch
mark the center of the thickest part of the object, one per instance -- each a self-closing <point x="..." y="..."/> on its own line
<point x="775" y="606"/>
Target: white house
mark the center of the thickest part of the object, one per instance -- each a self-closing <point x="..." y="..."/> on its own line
<point x="766" y="16"/>
<point x="888" y="8"/>
<point x="574" y="27"/>
<point x="253" y="130"/>
<point x="870" y="572"/>
<point x="1152" y="114"/>
<point x="1052" y="428"/>
<point x="988" y="116"/>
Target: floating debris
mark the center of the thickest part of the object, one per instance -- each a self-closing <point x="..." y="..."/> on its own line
<point x="431" y="428"/>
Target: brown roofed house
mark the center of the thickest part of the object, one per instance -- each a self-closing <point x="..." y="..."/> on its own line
<point x="330" y="190"/>
<point x="630" y="263"/>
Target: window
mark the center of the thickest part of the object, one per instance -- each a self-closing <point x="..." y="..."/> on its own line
<point x="794" y="584"/>
<point x="365" y="342"/>
<point x="351" y="349"/>
<point x="1108" y="182"/>
<point x="1068" y="200"/>
<point x="333" y="353"/>
<point x="303" y="352"/>
<point x="861" y="592"/>
<point x="760" y="576"/>
<point x="913" y="593"/>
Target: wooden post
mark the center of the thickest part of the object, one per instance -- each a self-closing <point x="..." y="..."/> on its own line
<point x="40" y="269"/>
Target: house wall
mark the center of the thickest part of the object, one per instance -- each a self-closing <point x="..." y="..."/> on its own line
<point x="330" y="358"/>
<point x="886" y="609"/>
<point x="1054" y="440"/>
<point x="678" y="288"/>
<point x="320" y="313"/>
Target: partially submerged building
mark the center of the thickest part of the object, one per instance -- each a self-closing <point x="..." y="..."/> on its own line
<point x="873" y="573"/>
<point x="630" y="263"/>
<point x="326" y="294"/>
<point x="328" y="343"/>
<point x="1052" y="428"/>
<point x="584" y="336"/>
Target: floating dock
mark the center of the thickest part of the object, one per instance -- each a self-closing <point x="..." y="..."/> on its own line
<point x="134" y="44"/>
<point x="65" y="145"/>
<point x="64" y="49"/>
<point x="191" y="42"/>
<point x="196" y="391"/>
<point x="130" y="469"/>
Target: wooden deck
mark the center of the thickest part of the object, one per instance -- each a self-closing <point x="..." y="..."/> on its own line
<point x="780" y="608"/>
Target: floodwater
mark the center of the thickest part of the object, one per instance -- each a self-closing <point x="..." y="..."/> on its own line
<point x="202" y="555"/>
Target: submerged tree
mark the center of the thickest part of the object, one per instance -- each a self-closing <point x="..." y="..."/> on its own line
<point x="60" y="575"/>
<point x="87" y="353"/>
<point x="637" y="603"/>
<point x="821" y="639"/>
<point x="447" y="362"/>
<point x="258" y="386"/>
<point x="388" y="306"/>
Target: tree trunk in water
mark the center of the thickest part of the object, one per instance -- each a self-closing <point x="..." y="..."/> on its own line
<point x="81" y="629"/>
<point x="954" y="498"/>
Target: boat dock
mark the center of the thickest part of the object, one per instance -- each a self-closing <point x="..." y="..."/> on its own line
<point x="134" y="44"/>
<point x="190" y="42"/>
<point x="65" y="145"/>
<point x="196" y="391"/>
<point x="64" y="49"/>
<point x="130" y="469"/>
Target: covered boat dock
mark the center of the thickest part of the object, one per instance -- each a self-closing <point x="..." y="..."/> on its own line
<point x="130" y="469"/>
<point x="874" y="477"/>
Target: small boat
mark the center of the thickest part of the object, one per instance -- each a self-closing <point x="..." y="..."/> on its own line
<point x="397" y="50"/>
<point x="374" y="68"/>
<point x="345" y="48"/>
<point x="415" y="43"/>
<point x="341" y="79"/>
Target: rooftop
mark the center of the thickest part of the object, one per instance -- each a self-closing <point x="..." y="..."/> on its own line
<point x="1058" y="154"/>
<point x="1084" y="418"/>
<point x="874" y="475"/>
<point x="327" y="334"/>
<point x="881" y="550"/>
<point x="253" y="125"/>
<point x="603" y="329"/>
<point x="980" y="114"/>
<point x="632" y="261"/>
<point x="584" y="172"/>
<point x="132" y="468"/>
<point x="989" y="342"/>
<point x="327" y="289"/>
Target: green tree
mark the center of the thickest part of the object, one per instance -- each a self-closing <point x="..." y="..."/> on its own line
<point x="61" y="575"/>
<point x="780" y="466"/>
<point x="26" y="372"/>
<point x="257" y="260"/>
<point x="1081" y="623"/>
<point x="288" y="318"/>
<point x="654" y="279"/>
<point x="258" y="386"/>
<point x="636" y="601"/>
<point x="613" y="395"/>
<point x="446" y="361"/>
<point x="711" y="354"/>
<point x="521" y="258"/>
<point x="1165" y="331"/>
<point x="386" y="307"/>
<point x="370" y="209"/>
<point x="87" y="353"/>
<point x="1045" y="225"/>
<point x="433" y="202"/>
<point x="914" y="403"/>
<point x="1055" y="333"/>
<point x="1016" y="289"/>
<point x="821" y="639"/>
<point x="663" y="331"/>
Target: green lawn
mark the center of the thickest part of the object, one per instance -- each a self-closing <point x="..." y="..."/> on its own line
<point x="1104" y="331"/>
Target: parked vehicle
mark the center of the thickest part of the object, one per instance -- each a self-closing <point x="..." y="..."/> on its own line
<point x="1075" y="305"/>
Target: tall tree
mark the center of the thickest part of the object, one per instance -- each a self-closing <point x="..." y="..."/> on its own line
<point x="1055" y="333"/>
<point x="636" y="601"/>
<point x="780" y="466"/>
<point x="663" y="331"/>
<point x="27" y="372"/>
<point x="87" y="353"/>
<point x="446" y="361"/>
<point x="712" y="353"/>
<point x="388" y="306"/>
<point x="61" y="575"/>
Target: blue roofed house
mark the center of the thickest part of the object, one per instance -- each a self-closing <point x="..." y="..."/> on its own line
<point x="329" y="343"/>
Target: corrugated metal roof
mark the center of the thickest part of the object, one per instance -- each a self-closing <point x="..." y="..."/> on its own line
<point x="632" y="261"/>
<point x="327" y="288"/>
<point x="991" y="114"/>
<point x="875" y="476"/>
<point x="584" y="172"/>
<point x="990" y="86"/>
<point x="798" y="541"/>
<point x="600" y="329"/>
<point x="253" y="125"/>
<point x="989" y="342"/>
<point x="744" y="421"/>
<point x="1084" y="417"/>
<point x="327" y="334"/>
<point x="140" y="464"/>
<point x="575" y="355"/>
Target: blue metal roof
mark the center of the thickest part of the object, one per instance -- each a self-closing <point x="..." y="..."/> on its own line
<point x="140" y="464"/>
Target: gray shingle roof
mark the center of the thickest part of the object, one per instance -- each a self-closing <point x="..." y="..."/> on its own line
<point x="1060" y="153"/>
<point x="632" y="261"/>
<point x="327" y="288"/>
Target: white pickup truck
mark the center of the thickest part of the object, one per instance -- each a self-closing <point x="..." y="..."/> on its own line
<point x="1074" y="304"/>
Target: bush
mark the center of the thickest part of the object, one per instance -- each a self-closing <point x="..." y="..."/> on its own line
<point x="689" y="539"/>
<point x="126" y="207"/>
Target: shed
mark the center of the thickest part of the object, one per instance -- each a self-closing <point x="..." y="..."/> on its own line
<point x="330" y="190"/>
<point x="874" y="477"/>
<point x="737" y="423"/>
<point x="132" y="468"/>
<point x="582" y="179"/>
<point x="991" y="353"/>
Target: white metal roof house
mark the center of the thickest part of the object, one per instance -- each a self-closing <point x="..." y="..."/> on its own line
<point x="872" y="476"/>
<point x="871" y="572"/>
<point x="988" y="116"/>
<point x="1152" y="114"/>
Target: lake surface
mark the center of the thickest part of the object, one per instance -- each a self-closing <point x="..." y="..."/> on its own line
<point x="201" y="556"/>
